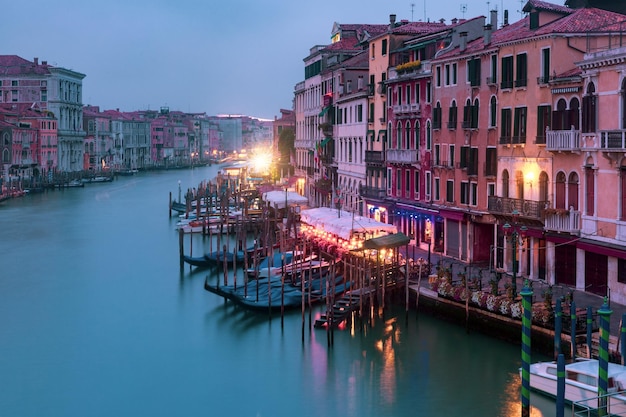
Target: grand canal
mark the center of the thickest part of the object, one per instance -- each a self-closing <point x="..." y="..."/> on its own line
<point x="98" y="320"/>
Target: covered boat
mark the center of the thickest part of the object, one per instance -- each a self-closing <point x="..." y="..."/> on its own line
<point x="581" y="383"/>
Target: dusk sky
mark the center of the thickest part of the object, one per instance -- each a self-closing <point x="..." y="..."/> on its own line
<point x="227" y="57"/>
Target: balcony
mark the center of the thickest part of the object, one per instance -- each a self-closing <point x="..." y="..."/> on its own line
<point x="372" y="192"/>
<point x="563" y="220"/>
<point x="374" y="157"/>
<point x="613" y="140"/>
<point x="563" y="140"/>
<point x="402" y="156"/>
<point x="526" y="208"/>
<point x="406" y="109"/>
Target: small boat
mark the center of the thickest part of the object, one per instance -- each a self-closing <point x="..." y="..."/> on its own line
<point x="75" y="184"/>
<point x="271" y="266"/>
<point x="214" y="258"/>
<point x="581" y="383"/>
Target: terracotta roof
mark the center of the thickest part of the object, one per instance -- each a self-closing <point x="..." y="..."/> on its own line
<point x="570" y="73"/>
<point x="545" y="6"/>
<point x="578" y="21"/>
<point x="15" y="65"/>
<point x="419" y="28"/>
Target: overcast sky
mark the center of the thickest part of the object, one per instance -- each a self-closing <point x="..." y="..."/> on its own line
<point x="218" y="57"/>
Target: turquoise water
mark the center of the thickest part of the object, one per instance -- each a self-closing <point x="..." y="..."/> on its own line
<point x="98" y="320"/>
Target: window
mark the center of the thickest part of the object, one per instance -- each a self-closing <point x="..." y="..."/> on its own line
<point x="437" y="195"/>
<point x="472" y="162"/>
<point x="450" y="191"/>
<point x="473" y="194"/>
<point x="621" y="270"/>
<point x="44" y="95"/>
<point x="417" y="93"/>
<point x="437" y="156"/>
<point x="519" y="125"/>
<point x="454" y="66"/>
<point x="447" y="77"/>
<point x="14" y="95"/>
<point x="373" y="49"/>
<point x="428" y="91"/>
<point x="452" y="115"/>
<point x="416" y="184"/>
<point x="473" y="72"/>
<point x="359" y="113"/>
<point x="437" y="116"/>
<point x="464" y="157"/>
<point x="398" y="181"/>
<point x="589" y="110"/>
<point x="507" y="72"/>
<point x="505" y="129"/>
<point x="467" y="114"/>
<point x="493" y="79"/>
<point x="427" y="184"/>
<point x="572" y="191"/>
<point x="464" y="197"/>
<point x="370" y="117"/>
<point x="399" y="95"/>
<point x="428" y="137"/>
<point x="384" y="47"/>
<point x="543" y="122"/>
<point x="407" y="183"/>
<point x="505" y="184"/>
<point x="545" y="66"/>
<point x="493" y="111"/>
<point x="408" y="94"/>
<point x="451" y="156"/>
<point x="389" y="179"/>
<point x="438" y="76"/>
<point x="521" y="71"/>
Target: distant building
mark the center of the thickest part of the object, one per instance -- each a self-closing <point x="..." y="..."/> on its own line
<point x="51" y="88"/>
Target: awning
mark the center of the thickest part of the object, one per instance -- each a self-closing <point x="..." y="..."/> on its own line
<point x="387" y="242"/>
<point x="325" y="141"/>
<point x="324" y="111"/>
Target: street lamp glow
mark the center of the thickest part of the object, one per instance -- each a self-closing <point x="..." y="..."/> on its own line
<point x="261" y="162"/>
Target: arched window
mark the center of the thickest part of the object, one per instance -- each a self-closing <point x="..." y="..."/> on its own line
<point x="474" y="115"/>
<point x="416" y="134"/>
<point x="572" y="191"/>
<point x="505" y="184"/>
<point x="589" y="110"/>
<point x="452" y="115"/>
<point x="574" y="113"/>
<point x="407" y="135"/>
<point x="6" y="156"/>
<point x="543" y="186"/>
<point x="493" y="111"/>
<point x="399" y="135"/>
<point x="519" y="184"/>
<point x="559" y="199"/>
<point x="559" y="119"/>
<point x="6" y="139"/>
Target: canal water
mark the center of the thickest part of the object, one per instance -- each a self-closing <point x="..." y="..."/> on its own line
<point x="97" y="319"/>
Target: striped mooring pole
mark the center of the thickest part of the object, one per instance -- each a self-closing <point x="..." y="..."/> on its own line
<point x="560" y="385"/>
<point x="603" y="355"/>
<point x="527" y="312"/>
<point x="572" y="316"/>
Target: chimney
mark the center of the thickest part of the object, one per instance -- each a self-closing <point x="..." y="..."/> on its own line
<point x="44" y="63"/>
<point x="506" y="18"/>
<point x="392" y="21"/>
<point x="487" y="35"/>
<point x="462" y="41"/>
<point x="494" y="19"/>
<point x="454" y="20"/>
<point x="36" y="61"/>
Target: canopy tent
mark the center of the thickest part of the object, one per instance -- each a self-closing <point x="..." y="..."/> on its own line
<point x="387" y="242"/>
<point x="344" y="224"/>
<point x="277" y="199"/>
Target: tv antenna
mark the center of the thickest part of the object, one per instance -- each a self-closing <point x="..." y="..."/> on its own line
<point x="463" y="10"/>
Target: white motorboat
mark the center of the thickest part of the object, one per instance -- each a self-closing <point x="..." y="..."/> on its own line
<point x="581" y="383"/>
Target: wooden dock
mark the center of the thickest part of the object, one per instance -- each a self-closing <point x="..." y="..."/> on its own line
<point x="343" y="307"/>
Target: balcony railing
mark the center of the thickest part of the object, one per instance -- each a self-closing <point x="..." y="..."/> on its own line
<point x="402" y="156"/>
<point x="563" y="220"/>
<point x="526" y="208"/>
<point x="400" y="109"/>
<point x="563" y="140"/>
<point x="374" y="157"/>
<point x="613" y="139"/>
<point x="372" y="192"/>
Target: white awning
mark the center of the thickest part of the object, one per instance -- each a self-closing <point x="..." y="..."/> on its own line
<point x="344" y="224"/>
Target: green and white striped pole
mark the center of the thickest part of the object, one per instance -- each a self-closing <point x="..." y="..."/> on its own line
<point x="603" y="381"/>
<point x="572" y="316"/>
<point x="526" y="294"/>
